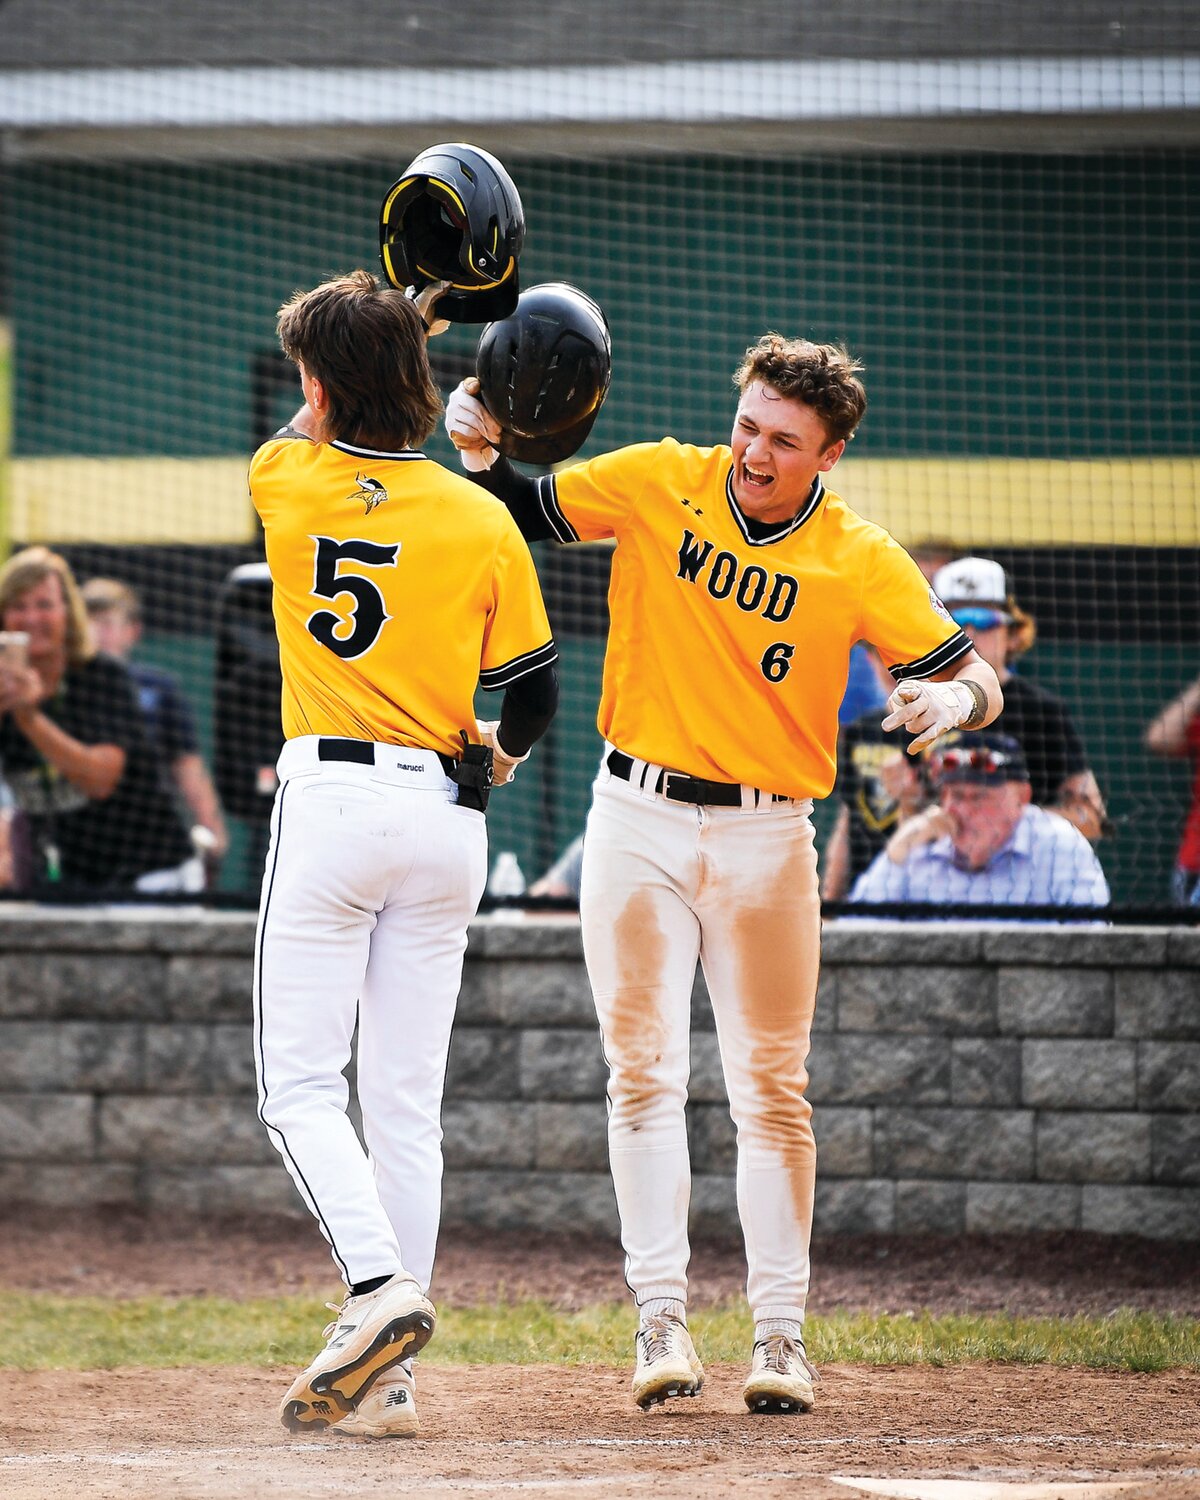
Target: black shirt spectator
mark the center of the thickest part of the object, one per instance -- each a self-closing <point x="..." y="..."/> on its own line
<point x="1042" y="727"/>
<point x="82" y="841"/>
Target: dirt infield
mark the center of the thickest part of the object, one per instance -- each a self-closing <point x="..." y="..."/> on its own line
<point x="488" y="1431"/>
<point x="1006" y="1432"/>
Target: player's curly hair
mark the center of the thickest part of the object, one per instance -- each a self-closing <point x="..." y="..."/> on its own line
<point x="365" y="343"/>
<point x="823" y="376"/>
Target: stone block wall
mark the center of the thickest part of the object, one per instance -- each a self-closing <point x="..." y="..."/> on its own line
<point x="965" y="1077"/>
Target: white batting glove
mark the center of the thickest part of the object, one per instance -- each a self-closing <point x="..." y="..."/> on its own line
<point x="471" y="427"/>
<point x="928" y="709"/>
<point x="504" y="766"/>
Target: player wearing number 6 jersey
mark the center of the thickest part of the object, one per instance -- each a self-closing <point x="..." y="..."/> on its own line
<point x="398" y="588"/>
<point x="739" y="584"/>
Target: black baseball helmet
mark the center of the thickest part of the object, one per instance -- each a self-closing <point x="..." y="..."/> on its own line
<point x="544" y="372"/>
<point x="455" y="215"/>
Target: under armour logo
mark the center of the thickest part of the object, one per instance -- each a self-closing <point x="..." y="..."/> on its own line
<point x="369" y="491"/>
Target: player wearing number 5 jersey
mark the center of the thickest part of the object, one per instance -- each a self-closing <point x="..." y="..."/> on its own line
<point x="398" y="588"/>
<point x="739" y="584"/>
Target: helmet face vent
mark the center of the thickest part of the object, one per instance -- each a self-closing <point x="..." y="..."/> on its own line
<point x="544" y="372"/>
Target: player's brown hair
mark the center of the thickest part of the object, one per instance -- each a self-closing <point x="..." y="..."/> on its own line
<point x="823" y="376"/>
<point x="24" y="571"/>
<point x="365" y="343"/>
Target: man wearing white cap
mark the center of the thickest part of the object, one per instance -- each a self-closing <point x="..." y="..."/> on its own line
<point x="976" y="592"/>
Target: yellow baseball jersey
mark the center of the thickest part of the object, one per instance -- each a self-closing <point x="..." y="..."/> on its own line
<point x="398" y="587"/>
<point x="728" y="651"/>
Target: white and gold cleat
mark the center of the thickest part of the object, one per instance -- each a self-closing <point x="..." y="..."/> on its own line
<point x="781" y="1379"/>
<point x="667" y="1363"/>
<point x="389" y="1409"/>
<point x="370" y="1334"/>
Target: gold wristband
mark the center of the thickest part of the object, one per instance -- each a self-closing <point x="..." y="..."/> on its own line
<point x="979" y="704"/>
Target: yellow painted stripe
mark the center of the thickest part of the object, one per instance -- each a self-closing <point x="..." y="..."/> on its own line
<point x="162" y="500"/>
<point x="976" y="502"/>
<point x="970" y="503"/>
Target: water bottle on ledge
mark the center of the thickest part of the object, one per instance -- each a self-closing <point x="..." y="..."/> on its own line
<point x="506" y="879"/>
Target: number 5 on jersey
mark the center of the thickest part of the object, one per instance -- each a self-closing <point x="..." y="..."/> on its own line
<point x="352" y="635"/>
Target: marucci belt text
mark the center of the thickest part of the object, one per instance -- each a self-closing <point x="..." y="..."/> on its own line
<point x="472" y="775"/>
<point x="675" y="786"/>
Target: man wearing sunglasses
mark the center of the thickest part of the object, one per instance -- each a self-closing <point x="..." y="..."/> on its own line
<point x="976" y="592"/>
<point x="987" y="844"/>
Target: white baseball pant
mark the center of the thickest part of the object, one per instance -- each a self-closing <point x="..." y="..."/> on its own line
<point x="664" y="883"/>
<point x="372" y="875"/>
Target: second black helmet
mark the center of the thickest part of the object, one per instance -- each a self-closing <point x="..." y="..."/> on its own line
<point x="544" y="372"/>
<point x="455" y="215"/>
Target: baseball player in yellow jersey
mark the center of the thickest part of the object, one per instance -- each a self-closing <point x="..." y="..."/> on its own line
<point x="739" y="584"/>
<point x="398" y="588"/>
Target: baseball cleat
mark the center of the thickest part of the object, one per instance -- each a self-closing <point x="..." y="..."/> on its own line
<point x="781" y="1379"/>
<point x="370" y="1334"/>
<point x="389" y="1409"/>
<point x="667" y="1363"/>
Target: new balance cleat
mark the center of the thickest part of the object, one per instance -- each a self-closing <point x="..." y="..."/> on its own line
<point x="667" y="1363"/>
<point x="389" y="1409"/>
<point x="370" y="1334"/>
<point x="781" y="1379"/>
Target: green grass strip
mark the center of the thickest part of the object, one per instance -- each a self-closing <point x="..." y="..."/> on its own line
<point x="53" y="1332"/>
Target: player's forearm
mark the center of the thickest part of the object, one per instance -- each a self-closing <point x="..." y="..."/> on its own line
<point x="196" y="787"/>
<point x="978" y="671"/>
<point x="835" y="859"/>
<point x="1167" y="734"/>
<point x="529" y="706"/>
<point x="519" y="494"/>
<point x="94" y="769"/>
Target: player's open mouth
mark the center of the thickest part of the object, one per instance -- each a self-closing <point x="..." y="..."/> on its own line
<point x="753" y="477"/>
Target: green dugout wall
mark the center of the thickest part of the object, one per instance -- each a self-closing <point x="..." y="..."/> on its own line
<point x="1029" y="326"/>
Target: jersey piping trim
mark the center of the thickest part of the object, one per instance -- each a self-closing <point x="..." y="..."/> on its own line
<point x="495" y="678"/>
<point x="934" y="661"/>
<point x="815" y="496"/>
<point x="547" y="493"/>
<point x="356" y="452"/>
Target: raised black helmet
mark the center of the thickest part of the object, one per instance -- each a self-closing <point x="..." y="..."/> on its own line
<point x="544" y="372"/>
<point x="455" y="215"/>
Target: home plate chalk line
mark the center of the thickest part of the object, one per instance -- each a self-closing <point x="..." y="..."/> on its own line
<point x="987" y="1489"/>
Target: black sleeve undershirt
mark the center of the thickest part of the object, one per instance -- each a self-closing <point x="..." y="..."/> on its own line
<point x="519" y="494"/>
<point x="529" y="705"/>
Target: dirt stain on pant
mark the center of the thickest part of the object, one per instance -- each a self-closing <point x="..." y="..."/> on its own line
<point x="776" y="940"/>
<point x="635" y="1027"/>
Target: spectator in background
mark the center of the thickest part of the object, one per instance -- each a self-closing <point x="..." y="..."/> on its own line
<point x="1176" y="732"/>
<point x="74" y="750"/>
<point x="975" y="591"/>
<point x="878" y="784"/>
<point x="983" y="842"/>
<point x="115" y="614"/>
<point x="562" y="878"/>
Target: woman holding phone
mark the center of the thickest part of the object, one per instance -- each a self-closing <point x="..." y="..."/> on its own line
<point x="72" y="746"/>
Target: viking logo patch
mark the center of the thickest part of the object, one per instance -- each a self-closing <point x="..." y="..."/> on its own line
<point x="369" y="491"/>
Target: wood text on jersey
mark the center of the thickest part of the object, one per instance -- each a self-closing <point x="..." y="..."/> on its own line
<point x="751" y="587"/>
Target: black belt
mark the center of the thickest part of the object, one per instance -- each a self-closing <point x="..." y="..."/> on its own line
<point x="362" y="753"/>
<point x="473" y="787"/>
<point x="677" y="787"/>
